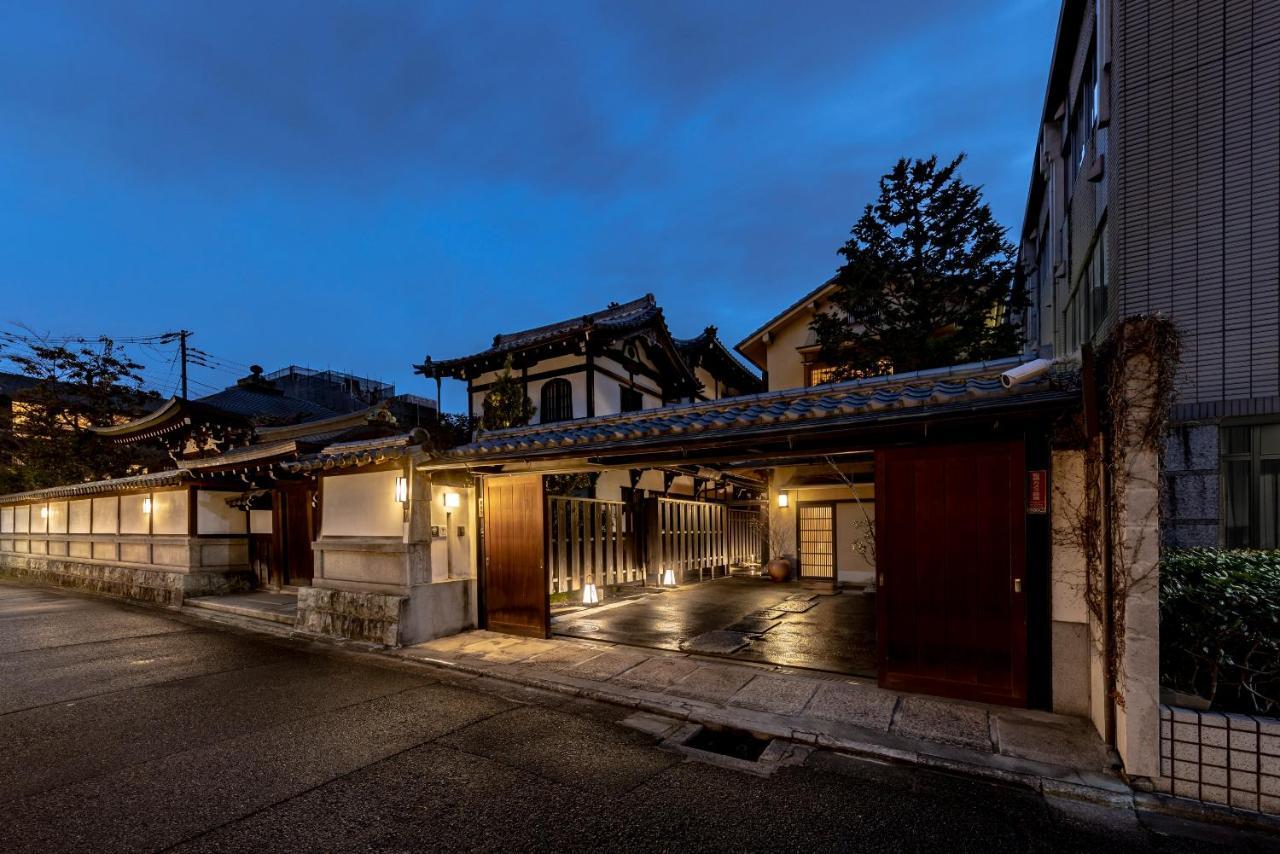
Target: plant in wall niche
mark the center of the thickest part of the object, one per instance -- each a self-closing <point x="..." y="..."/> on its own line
<point x="864" y="527"/>
<point x="506" y="404"/>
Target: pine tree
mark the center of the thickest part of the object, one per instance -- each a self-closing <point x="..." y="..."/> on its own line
<point x="506" y="404"/>
<point x="927" y="279"/>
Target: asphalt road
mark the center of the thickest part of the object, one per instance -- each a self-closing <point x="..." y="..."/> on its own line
<point x="129" y="729"/>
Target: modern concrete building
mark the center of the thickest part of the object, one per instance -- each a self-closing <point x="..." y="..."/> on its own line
<point x="1156" y="189"/>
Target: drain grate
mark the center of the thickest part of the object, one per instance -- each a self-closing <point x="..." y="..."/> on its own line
<point x="729" y="742"/>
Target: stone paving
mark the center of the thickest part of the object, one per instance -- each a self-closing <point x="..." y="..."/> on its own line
<point x="849" y="714"/>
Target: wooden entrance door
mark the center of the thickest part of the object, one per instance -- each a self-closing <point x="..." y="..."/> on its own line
<point x="293" y="530"/>
<point x="516" y="597"/>
<point x="950" y="559"/>
<point x="816" y="540"/>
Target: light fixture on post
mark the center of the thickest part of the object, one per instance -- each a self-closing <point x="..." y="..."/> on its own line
<point x="146" y="504"/>
<point x="402" y="489"/>
<point x="590" y="596"/>
<point x="784" y="500"/>
<point x="452" y="500"/>
<point x="668" y="578"/>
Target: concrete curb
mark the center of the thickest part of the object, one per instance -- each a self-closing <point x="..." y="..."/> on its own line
<point x="1050" y="780"/>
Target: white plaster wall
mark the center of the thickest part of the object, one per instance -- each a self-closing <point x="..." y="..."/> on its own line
<point x="132" y="518"/>
<point x="106" y="515"/>
<point x="39" y="521"/>
<point x="362" y="505"/>
<point x="215" y="516"/>
<point x="851" y="566"/>
<point x="451" y="554"/>
<point x="169" y="512"/>
<point x="6" y="520"/>
<point x="260" y="521"/>
<point x="57" y="517"/>
<point x="81" y="516"/>
<point x="22" y="519"/>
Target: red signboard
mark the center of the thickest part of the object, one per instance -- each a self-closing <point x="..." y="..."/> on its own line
<point x="1038" y="492"/>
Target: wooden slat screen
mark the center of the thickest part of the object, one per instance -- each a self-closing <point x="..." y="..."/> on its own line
<point x="746" y="537"/>
<point x="691" y="536"/>
<point x="590" y="537"/>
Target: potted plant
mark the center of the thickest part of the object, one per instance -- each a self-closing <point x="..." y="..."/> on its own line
<point x="780" y="541"/>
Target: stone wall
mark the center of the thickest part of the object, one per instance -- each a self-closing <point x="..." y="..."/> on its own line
<point x="1220" y="758"/>
<point x="1191" y="486"/>
<point x="369" y="617"/>
<point x="152" y="584"/>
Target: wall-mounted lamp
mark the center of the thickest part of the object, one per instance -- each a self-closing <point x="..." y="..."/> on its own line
<point x="784" y="500"/>
<point x="668" y="578"/>
<point x="146" y="504"/>
<point x="402" y="489"/>
<point x="590" y="596"/>
<point x="44" y="512"/>
<point x="452" y="500"/>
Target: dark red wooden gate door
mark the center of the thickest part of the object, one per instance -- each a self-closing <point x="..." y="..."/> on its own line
<point x="516" y="594"/>
<point x="950" y="556"/>
<point x="293" y="530"/>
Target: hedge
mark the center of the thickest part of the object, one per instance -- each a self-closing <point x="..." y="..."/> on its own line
<point x="1220" y="627"/>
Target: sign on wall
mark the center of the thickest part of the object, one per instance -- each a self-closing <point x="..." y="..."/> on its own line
<point x="1038" y="491"/>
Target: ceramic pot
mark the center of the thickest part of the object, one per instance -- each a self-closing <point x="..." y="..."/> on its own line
<point x="779" y="569"/>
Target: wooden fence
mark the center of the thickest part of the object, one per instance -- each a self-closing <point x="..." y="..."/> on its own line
<point x="746" y="537"/>
<point x="590" y="537"/>
<point x="687" y="537"/>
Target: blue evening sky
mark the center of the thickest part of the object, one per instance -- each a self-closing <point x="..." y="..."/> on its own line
<point x="354" y="185"/>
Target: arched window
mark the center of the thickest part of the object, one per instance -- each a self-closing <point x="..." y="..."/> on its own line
<point x="557" y="401"/>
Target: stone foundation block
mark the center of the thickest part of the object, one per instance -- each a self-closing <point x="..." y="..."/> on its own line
<point x="370" y="617"/>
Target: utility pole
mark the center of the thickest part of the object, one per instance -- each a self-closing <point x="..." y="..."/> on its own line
<point x="183" y="334"/>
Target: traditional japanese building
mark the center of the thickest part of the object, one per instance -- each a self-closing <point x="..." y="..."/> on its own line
<point x="622" y="358"/>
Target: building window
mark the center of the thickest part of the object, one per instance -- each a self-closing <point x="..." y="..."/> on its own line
<point x="818" y="374"/>
<point x="1251" y="486"/>
<point x="630" y="400"/>
<point x="1086" y="307"/>
<point x="557" y="401"/>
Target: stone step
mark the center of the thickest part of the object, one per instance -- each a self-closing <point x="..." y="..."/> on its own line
<point x="243" y="609"/>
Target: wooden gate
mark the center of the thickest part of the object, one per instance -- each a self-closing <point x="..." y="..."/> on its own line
<point x="950" y="558"/>
<point x="515" y="582"/>
<point x="686" y="537"/>
<point x="587" y="537"/>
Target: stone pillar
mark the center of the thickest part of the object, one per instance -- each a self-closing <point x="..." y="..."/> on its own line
<point x="1071" y="642"/>
<point x="376" y="575"/>
<point x="1135" y="496"/>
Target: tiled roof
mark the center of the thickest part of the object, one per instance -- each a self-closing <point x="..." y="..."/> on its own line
<point x="99" y="487"/>
<point x="360" y="453"/>
<point x="617" y="317"/>
<point x="265" y="408"/>
<point x="922" y="393"/>
<point x="707" y="348"/>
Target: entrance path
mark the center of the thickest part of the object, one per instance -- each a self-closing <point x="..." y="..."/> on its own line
<point x="847" y="714"/>
<point x="796" y="624"/>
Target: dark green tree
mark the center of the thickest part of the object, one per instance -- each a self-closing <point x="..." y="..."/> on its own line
<point x="928" y="279"/>
<point x="47" y="440"/>
<point x="506" y="404"/>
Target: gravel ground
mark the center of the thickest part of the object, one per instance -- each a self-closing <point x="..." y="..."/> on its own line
<point x="129" y="729"/>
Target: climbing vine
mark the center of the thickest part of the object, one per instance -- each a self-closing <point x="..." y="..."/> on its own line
<point x="1135" y="374"/>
